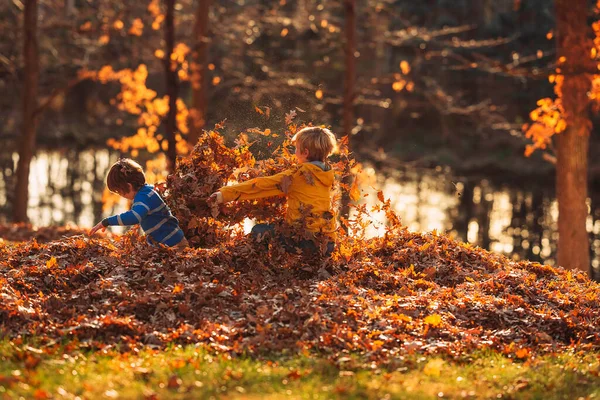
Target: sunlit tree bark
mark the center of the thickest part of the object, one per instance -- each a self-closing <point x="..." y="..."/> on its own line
<point x="574" y="44"/>
<point x="29" y="103"/>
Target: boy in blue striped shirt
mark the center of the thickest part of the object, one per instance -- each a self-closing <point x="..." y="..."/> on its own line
<point x="126" y="178"/>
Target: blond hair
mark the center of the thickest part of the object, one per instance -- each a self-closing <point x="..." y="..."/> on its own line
<point x="320" y="142"/>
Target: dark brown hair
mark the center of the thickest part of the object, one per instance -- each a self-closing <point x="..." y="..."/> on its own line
<point x="123" y="172"/>
<point x="320" y="142"/>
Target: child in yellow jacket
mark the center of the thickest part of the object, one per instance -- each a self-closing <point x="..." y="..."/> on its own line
<point x="308" y="187"/>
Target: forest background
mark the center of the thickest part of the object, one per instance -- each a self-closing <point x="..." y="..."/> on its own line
<point x="439" y="97"/>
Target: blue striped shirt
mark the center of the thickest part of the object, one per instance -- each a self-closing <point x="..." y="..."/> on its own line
<point x="150" y="211"/>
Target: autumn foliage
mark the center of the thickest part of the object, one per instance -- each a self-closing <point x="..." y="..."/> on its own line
<point x="550" y="117"/>
<point x="378" y="298"/>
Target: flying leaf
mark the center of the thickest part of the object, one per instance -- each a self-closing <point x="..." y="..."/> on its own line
<point x="289" y="117"/>
<point x="355" y="193"/>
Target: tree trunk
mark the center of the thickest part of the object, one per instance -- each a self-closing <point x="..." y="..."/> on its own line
<point x="573" y="42"/>
<point x="29" y="124"/>
<point x="69" y="7"/>
<point x="172" y="84"/>
<point x="198" y="76"/>
<point x="348" y="105"/>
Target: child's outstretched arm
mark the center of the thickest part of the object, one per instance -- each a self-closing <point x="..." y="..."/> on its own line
<point x="134" y="216"/>
<point x="257" y="188"/>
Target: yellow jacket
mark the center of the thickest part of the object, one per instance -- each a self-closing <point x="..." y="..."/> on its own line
<point x="308" y="190"/>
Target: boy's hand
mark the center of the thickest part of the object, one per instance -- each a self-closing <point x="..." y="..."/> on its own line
<point x="216" y="197"/>
<point x="213" y="202"/>
<point x="97" y="228"/>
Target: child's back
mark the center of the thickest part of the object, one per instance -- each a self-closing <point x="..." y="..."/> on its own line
<point x="308" y="189"/>
<point x="127" y="179"/>
<point x="307" y="186"/>
<point x="150" y="211"/>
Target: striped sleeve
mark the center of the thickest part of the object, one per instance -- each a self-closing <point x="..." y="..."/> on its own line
<point x="138" y="211"/>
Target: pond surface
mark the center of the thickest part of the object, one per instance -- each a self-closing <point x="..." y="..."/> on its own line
<point x="66" y="187"/>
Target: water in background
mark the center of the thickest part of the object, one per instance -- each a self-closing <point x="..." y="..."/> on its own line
<point x="66" y="188"/>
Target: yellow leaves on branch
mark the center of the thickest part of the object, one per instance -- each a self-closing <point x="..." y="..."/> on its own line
<point x="595" y="92"/>
<point x="549" y="117"/>
<point x="149" y="121"/>
<point x="157" y="22"/>
<point x="180" y="52"/>
<point x="85" y="27"/>
<point x="558" y="81"/>
<point x="106" y="74"/>
<point x="182" y="116"/>
<point x="137" y="27"/>
<point x="137" y="99"/>
<point x="156" y="169"/>
<point x="118" y="25"/>
<point x="399" y="85"/>
<point x="134" y="93"/>
<point x="596" y="29"/>
<point x="548" y="120"/>
<point x="156" y="12"/>
<point x="154" y="8"/>
<point x="183" y="75"/>
<point x="405" y="67"/>
<point x="158" y="107"/>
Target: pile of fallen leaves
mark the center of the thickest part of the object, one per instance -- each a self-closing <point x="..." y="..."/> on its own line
<point x="403" y="292"/>
<point x="22" y="232"/>
<point x="379" y="298"/>
<point x="212" y="164"/>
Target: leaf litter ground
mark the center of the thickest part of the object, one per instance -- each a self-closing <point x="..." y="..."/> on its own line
<point x="392" y="295"/>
